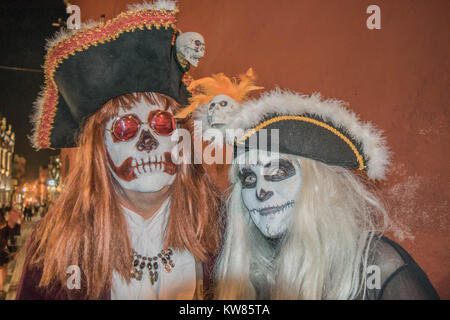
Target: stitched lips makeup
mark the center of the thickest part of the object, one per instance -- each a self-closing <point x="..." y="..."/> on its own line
<point x="131" y="168"/>
<point x="273" y="209"/>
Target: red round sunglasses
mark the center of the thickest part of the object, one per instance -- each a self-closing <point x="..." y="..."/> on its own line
<point x="127" y="127"/>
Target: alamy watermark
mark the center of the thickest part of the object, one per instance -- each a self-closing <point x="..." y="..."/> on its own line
<point x="74" y="20"/>
<point x="74" y="279"/>
<point x="373" y="22"/>
<point x="222" y="145"/>
<point x="373" y="280"/>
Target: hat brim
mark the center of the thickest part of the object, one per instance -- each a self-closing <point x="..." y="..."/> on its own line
<point x="304" y="136"/>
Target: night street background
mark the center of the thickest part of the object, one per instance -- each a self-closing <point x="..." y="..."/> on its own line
<point x="24" y="26"/>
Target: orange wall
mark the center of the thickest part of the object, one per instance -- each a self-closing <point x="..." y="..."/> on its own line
<point x="396" y="77"/>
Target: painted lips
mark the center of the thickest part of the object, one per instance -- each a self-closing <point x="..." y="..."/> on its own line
<point x="126" y="171"/>
<point x="273" y="209"/>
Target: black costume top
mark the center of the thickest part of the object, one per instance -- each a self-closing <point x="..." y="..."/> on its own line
<point x="4" y="254"/>
<point x="4" y="236"/>
<point x="400" y="276"/>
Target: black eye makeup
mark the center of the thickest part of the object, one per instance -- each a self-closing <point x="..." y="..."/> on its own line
<point x="274" y="171"/>
<point x="247" y="177"/>
<point x="279" y="170"/>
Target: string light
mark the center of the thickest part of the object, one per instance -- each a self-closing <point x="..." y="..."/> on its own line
<point x="21" y="69"/>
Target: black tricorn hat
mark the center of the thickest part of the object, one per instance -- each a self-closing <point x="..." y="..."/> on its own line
<point x="310" y="127"/>
<point x="85" y="68"/>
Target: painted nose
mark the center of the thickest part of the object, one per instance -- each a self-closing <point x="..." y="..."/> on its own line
<point x="147" y="142"/>
<point x="263" y="195"/>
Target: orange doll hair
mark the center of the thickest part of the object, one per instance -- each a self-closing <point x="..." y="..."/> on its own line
<point x="209" y="87"/>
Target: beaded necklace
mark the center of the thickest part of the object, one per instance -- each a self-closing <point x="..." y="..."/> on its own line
<point x="152" y="264"/>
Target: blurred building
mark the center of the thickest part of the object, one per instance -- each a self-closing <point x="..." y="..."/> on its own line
<point x="19" y="169"/>
<point x="18" y="176"/>
<point x="7" y="142"/>
<point x="54" y="178"/>
<point x="45" y="188"/>
<point x="40" y="186"/>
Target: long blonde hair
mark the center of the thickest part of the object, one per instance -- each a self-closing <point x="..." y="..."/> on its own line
<point x="324" y="250"/>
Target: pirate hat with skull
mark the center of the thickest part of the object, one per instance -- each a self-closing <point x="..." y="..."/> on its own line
<point x="140" y="50"/>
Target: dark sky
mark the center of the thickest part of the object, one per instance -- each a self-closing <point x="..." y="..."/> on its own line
<point x="24" y="26"/>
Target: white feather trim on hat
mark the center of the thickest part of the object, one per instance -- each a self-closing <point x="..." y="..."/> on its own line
<point x="334" y="111"/>
<point x="35" y="118"/>
<point x="158" y="5"/>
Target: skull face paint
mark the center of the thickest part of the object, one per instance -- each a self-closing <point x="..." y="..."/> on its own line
<point x="220" y="110"/>
<point x="191" y="46"/>
<point x="269" y="191"/>
<point x="140" y="158"/>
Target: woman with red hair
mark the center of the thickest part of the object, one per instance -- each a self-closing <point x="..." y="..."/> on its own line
<point x="129" y="223"/>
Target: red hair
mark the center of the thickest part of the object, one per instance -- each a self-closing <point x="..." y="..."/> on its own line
<point x="86" y="227"/>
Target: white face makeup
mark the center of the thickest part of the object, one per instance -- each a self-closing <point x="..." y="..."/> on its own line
<point x="269" y="191"/>
<point x="142" y="163"/>
<point x="221" y="109"/>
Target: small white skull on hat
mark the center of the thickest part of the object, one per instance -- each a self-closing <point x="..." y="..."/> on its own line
<point x="191" y="46"/>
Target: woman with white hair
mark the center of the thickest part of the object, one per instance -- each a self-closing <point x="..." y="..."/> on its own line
<point x="303" y="221"/>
